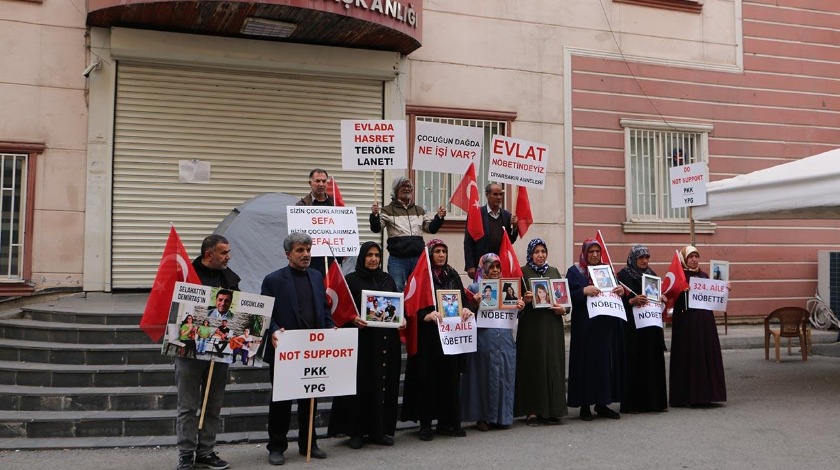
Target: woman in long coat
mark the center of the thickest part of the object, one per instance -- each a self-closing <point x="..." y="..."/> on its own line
<point x="488" y="382"/>
<point x="540" y="349"/>
<point x="596" y="352"/>
<point x="644" y="348"/>
<point x="697" y="377"/>
<point x="372" y="411"/>
<point x="432" y="379"/>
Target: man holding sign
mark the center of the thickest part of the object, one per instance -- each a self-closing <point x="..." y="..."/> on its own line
<point x="318" y="197"/>
<point x="301" y="303"/>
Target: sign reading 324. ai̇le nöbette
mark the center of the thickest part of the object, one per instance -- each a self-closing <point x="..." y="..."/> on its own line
<point x="518" y="162"/>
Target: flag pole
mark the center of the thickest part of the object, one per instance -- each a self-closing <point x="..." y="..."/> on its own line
<point x="376" y="188"/>
<point x="206" y="394"/>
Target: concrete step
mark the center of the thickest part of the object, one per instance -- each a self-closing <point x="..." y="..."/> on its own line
<point x="40" y="313"/>
<point x="72" y="353"/>
<point x="28" y="398"/>
<point x="140" y="375"/>
<point x="33" y="330"/>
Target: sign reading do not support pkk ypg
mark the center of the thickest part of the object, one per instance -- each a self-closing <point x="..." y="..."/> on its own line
<point x="372" y="145"/>
<point x="334" y="230"/>
<point x="518" y="162"/>
<point x="688" y="185"/>
<point x="315" y="363"/>
<point x="446" y="148"/>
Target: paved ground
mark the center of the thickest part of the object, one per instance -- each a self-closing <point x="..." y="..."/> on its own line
<point x="784" y="415"/>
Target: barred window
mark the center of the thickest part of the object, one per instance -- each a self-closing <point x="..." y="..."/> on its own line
<point x="13" y="180"/>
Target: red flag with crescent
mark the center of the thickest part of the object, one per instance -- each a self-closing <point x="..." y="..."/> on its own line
<point x="674" y="282"/>
<point x="523" y="211"/>
<point x="342" y="307"/>
<point x="334" y="193"/>
<point x="465" y="196"/>
<point x="174" y="267"/>
<point x="507" y="255"/>
<point x="419" y="293"/>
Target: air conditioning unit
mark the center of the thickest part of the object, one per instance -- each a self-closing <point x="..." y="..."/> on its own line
<point x="828" y="278"/>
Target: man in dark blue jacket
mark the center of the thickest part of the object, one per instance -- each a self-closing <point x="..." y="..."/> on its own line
<point x="300" y="304"/>
<point x="494" y="219"/>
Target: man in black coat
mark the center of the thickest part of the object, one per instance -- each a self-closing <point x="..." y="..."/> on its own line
<point x="494" y="219"/>
<point x="300" y="304"/>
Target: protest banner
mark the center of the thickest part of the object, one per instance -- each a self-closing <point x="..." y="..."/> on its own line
<point x="688" y="185"/>
<point x="216" y="324"/>
<point x="505" y="319"/>
<point x="315" y="363"/>
<point x="373" y="145"/>
<point x="446" y="148"/>
<point x="606" y="303"/>
<point x="518" y="162"/>
<point x="648" y="315"/>
<point x="707" y="294"/>
<point x="334" y="230"/>
<point x="457" y="337"/>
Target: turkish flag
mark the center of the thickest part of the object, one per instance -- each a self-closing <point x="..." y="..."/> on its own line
<point x="605" y="254"/>
<point x="507" y="255"/>
<point x="174" y="267"/>
<point x="419" y="293"/>
<point x="342" y="307"/>
<point x="523" y="211"/>
<point x="465" y="196"/>
<point x="674" y="282"/>
<point x="334" y="193"/>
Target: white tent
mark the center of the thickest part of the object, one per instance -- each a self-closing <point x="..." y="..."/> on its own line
<point x="808" y="188"/>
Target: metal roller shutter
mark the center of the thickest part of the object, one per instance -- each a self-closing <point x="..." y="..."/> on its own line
<point x="260" y="133"/>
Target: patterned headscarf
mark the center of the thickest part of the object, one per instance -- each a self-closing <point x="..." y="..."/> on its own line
<point x="484" y="265"/>
<point x="541" y="270"/>
<point x="638" y="251"/>
<point x="687" y="250"/>
<point x="439" y="273"/>
<point x="582" y="264"/>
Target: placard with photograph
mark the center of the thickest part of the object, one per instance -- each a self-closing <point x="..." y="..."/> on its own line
<point x="560" y="292"/>
<point x="542" y="294"/>
<point x="651" y="287"/>
<point x="489" y="290"/>
<point x="449" y="302"/>
<point x="509" y="293"/>
<point x="602" y="277"/>
<point x="382" y="309"/>
<point x="719" y="270"/>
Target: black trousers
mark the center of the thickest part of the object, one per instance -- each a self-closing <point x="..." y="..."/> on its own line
<point x="279" y="418"/>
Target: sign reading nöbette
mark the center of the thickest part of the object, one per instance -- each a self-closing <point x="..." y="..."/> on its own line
<point x="334" y="230"/>
<point x="518" y="162"/>
<point x="446" y="148"/>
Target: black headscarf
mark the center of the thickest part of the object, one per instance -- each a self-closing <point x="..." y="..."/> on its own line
<point x="376" y="276"/>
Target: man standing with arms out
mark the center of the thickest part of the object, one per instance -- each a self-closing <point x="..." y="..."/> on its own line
<point x="300" y="304"/>
<point x="494" y="219"/>
<point x="405" y="223"/>
<point x="223" y="300"/>
<point x="318" y="197"/>
<point x="195" y="446"/>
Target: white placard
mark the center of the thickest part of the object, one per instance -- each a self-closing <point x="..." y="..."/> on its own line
<point x="315" y="363"/>
<point x="518" y="162"/>
<point x="373" y="145"/>
<point x="193" y="171"/>
<point x="191" y="294"/>
<point x="688" y="185"/>
<point x="446" y="148"/>
<point x="334" y="230"/>
<point x="505" y="319"/>
<point x="707" y="294"/>
<point x="457" y="337"/>
<point x="649" y="315"/>
<point x="606" y="303"/>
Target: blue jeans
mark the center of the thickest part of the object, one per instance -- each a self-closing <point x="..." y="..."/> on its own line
<point x="400" y="269"/>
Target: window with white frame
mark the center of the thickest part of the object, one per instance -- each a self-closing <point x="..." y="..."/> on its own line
<point x="432" y="187"/>
<point x="13" y="180"/>
<point x="651" y="149"/>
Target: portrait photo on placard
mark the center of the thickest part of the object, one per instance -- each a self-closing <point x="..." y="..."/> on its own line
<point x="602" y="277"/>
<point x="509" y="293"/>
<point x="382" y="309"/>
<point x="651" y="287"/>
<point x="449" y="302"/>
<point x="719" y="270"/>
<point x="540" y="289"/>
<point x="560" y="292"/>
<point x="489" y="290"/>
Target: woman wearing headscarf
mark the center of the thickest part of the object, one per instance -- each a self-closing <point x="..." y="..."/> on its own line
<point x="488" y="382"/>
<point x="696" y="377"/>
<point x="596" y="352"/>
<point x="372" y="412"/>
<point x="644" y="348"/>
<point x="540" y="349"/>
<point x="432" y="379"/>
